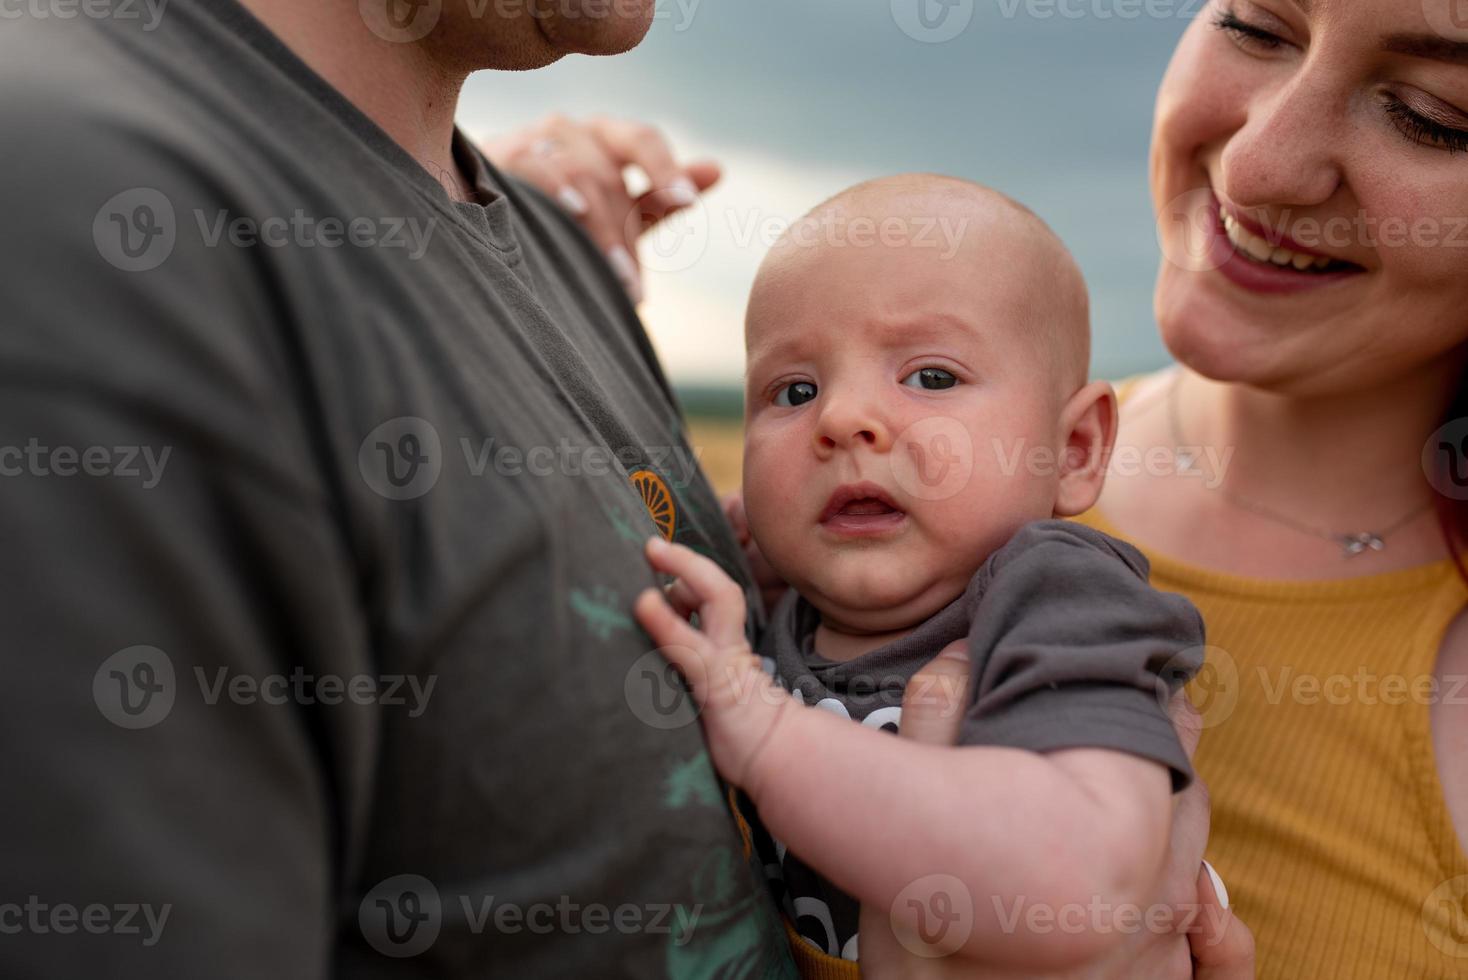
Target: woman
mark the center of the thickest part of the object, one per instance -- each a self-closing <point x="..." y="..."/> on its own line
<point x="1312" y="209"/>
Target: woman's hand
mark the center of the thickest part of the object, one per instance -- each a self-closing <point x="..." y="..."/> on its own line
<point x="1209" y="943"/>
<point x="582" y="164"/>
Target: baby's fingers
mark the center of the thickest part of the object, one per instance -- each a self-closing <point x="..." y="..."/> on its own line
<point x="720" y="600"/>
<point x="663" y="623"/>
<point x="683" y="599"/>
<point x="682" y="645"/>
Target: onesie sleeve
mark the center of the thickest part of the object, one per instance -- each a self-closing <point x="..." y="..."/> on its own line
<point x="1072" y="648"/>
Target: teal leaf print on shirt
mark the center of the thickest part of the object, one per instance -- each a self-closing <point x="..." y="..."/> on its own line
<point x="601" y="610"/>
<point x="692" y="781"/>
<point x="732" y="936"/>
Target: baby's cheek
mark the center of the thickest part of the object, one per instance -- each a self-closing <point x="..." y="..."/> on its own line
<point x="765" y="485"/>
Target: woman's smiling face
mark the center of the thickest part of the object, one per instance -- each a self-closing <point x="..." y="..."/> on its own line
<point x="1328" y="138"/>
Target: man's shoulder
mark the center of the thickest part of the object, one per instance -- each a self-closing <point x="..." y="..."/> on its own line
<point x="84" y="113"/>
<point x="107" y="100"/>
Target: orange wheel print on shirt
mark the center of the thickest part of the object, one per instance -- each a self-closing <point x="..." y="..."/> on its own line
<point x="658" y="500"/>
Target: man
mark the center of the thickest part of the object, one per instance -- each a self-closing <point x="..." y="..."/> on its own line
<point x="327" y="456"/>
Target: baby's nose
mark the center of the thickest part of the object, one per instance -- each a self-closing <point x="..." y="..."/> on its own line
<point x="848" y="424"/>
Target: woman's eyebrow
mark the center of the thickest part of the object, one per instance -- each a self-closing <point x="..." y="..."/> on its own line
<point x="1428" y="46"/>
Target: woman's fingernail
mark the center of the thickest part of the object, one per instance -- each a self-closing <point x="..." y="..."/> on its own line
<point x="1218" y="886"/>
<point x="626" y="271"/>
<point x="682" y="192"/>
<point x="572" y="200"/>
<point x="656" y="543"/>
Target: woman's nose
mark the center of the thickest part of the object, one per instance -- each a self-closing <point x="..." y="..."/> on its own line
<point x="1288" y="152"/>
<point x="846" y="423"/>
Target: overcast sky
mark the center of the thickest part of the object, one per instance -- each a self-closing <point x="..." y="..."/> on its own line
<point x="1047" y="100"/>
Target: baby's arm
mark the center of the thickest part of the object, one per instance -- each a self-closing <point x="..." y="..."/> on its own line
<point x="1065" y="833"/>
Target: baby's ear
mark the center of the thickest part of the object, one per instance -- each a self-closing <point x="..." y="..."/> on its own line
<point x="1088" y="430"/>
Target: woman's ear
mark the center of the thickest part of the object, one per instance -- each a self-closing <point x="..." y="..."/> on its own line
<point x="1088" y="429"/>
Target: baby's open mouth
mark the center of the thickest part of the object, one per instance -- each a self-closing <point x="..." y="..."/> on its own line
<point x="866" y="507"/>
<point x="861" y="508"/>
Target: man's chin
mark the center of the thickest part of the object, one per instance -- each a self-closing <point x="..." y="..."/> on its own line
<point x="570" y="31"/>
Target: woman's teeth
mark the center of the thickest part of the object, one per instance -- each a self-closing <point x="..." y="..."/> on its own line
<point x="1261" y="251"/>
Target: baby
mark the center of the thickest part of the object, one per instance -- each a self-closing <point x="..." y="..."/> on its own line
<point x="915" y="420"/>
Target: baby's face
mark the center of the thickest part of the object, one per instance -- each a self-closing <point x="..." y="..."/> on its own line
<point x="895" y="403"/>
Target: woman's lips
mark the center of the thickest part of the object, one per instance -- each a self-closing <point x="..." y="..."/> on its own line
<point x="1260" y="276"/>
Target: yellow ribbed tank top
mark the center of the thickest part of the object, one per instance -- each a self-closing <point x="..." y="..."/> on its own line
<point x="1329" y="823"/>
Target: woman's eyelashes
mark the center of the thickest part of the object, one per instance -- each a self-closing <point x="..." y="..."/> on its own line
<point x="1421" y="130"/>
<point x="930" y="378"/>
<point x="1245" y="35"/>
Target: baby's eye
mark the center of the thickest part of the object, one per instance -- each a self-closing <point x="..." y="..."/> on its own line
<point x="795" y="393"/>
<point x="933" y="379"/>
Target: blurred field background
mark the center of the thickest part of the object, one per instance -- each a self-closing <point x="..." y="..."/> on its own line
<point x="715" y="416"/>
<point x="718" y="445"/>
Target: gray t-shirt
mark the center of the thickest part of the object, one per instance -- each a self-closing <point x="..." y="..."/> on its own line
<point x="322" y="500"/>
<point x="1070" y="647"/>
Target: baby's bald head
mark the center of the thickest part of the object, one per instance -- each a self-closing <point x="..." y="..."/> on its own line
<point x="951" y="233"/>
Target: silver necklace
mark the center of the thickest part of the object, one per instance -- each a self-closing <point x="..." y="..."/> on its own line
<point x="1352" y="543"/>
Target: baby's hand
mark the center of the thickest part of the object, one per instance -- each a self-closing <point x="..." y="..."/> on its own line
<point x="740" y="704"/>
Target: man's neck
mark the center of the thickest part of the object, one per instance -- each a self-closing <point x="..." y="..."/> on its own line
<point x="400" y="87"/>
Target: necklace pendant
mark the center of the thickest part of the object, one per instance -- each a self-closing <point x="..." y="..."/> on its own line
<point x="1355" y="544"/>
<point x="1186" y="461"/>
